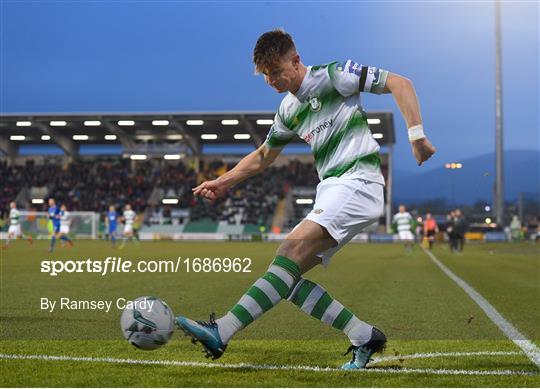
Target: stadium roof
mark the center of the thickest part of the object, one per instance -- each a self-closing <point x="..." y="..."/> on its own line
<point x="155" y="133"/>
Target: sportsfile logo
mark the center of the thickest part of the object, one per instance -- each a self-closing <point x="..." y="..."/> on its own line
<point x="326" y="124"/>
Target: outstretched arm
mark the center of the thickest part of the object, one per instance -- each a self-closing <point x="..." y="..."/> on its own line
<point x="250" y="165"/>
<point x="403" y="91"/>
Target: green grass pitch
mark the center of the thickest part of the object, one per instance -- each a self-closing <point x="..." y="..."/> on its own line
<point x="421" y="310"/>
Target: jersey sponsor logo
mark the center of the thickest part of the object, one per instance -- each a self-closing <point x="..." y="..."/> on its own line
<point x="314" y="103"/>
<point x="318" y="210"/>
<point x="323" y="126"/>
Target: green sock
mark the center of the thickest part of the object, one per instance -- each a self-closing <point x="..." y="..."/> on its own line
<point x="276" y="284"/>
<point x="314" y="300"/>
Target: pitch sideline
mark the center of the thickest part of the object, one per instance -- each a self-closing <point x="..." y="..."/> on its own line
<point x="511" y="332"/>
<point x="291" y="367"/>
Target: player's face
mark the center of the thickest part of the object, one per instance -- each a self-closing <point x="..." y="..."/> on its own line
<point x="284" y="75"/>
<point x="401" y="209"/>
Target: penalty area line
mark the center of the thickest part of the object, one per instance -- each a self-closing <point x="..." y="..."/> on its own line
<point x="511" y="332"/>
<point x="390" y="370"/>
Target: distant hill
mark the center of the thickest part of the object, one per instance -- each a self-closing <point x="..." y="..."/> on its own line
<point x="475" y="181"/>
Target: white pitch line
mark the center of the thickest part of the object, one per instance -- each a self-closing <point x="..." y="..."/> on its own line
<point x="267" y="367"/>
<point x="528" y="347"/>
<point x="438" y="355"/>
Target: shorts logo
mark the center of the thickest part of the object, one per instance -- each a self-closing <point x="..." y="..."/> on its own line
<point x="314" y="103"/>
<point x="318" y="210"/>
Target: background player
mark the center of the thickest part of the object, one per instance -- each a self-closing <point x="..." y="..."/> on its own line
<point x="404" y="225"/>
<point x="111" y="221"/>
<point x="65" y="222"/>
<point x="54" y="220"/>
<point x="129" y="218"/>
<point x="15" y="230"/>
<point x="323" y="108"/>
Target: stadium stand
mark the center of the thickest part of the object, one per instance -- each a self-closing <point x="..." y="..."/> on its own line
<point x="92" y="185"/>
<point x="91" y="160"/>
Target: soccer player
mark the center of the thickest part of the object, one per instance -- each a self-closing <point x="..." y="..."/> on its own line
<point x="65" y="221"/>
<point x="322" y="107"/>
<point x="54" y="219"/>
<point x="404" y="224"/>
<point x="14" y="230"/>
<point x="430" y="229"/>
<point x="111" y="221"/>
<point x="129" y="218"/>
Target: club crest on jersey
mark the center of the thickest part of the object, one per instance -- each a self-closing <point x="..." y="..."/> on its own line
<point x="314" y="103"/>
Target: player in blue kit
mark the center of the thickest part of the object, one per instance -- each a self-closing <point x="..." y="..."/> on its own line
<point x="111" y="221"/>
<point x="54" y="219"/>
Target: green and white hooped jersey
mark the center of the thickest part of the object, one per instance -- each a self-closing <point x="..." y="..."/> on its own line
<point x="130" y="217"/>
<point x="403" y="220"/>
<point x="14" y="215"/>
<point x="327" y="114"/>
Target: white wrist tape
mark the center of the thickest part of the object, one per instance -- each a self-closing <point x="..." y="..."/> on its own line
<point x="416" y="132"/>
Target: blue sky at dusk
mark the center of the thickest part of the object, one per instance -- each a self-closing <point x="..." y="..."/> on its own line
<point x="84" y="56"/>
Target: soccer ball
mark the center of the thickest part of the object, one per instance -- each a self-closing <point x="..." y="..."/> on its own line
<point x="147" y="322"/>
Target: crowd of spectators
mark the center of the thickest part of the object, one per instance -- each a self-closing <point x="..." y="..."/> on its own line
<point x="93" y="185"/>
<point x="12" y="178"/>
<point x="254" y="200"/>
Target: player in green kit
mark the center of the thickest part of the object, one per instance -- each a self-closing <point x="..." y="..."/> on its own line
<point x="322" y="106"/>
<point x="15" y="231"/>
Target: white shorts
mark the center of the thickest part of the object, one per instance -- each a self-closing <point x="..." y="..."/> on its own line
<point x="128" y="229"/>
<point x="15" y="230"/>
<point x="405" y="235"/>
<point x="345" y="206"/>
<point x="64" y="229"/>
